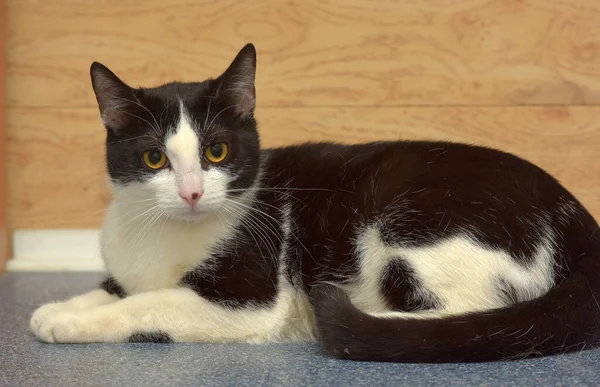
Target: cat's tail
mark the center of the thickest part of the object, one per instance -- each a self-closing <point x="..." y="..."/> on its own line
<point x="565" y="319"/>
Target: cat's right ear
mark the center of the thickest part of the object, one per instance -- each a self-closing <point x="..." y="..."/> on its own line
<point x="237" y="82"/>
<point x="117" y="101"/>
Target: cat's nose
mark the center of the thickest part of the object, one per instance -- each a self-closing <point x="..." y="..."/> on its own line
<point x="191" y="197"/>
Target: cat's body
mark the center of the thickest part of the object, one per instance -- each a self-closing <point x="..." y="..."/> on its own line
<point x="392" y="251"/>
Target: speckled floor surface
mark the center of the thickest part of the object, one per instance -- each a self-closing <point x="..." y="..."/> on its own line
<point x="26" y="362"/>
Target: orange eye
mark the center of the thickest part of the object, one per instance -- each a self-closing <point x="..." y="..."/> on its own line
<point x="155" y="159"/>
<point x="217" y="152"/>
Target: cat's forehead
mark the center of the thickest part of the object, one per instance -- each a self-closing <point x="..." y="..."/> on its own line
<point x="183" y="90"/>
<point x="166" y="99"/>
<point x="174" y="104"/>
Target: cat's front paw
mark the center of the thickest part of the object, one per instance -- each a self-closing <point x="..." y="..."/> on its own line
<point x="60" y="327"/>
<point x="44" y="311"/>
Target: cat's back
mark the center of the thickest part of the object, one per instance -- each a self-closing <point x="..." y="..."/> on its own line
<point x="426" y="208"/>
<point x="397" y="164"/>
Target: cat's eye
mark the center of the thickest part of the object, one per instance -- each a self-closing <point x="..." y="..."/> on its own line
<point x="217" y="152"/>
<point x="155" y="159"/>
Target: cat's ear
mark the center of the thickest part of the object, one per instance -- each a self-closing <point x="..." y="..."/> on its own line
<point x="237" y="82"/>
<point x="117" y="101"/>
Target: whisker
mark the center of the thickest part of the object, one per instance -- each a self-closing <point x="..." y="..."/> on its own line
<point x="248" y="227"/>
<point x="253" y="223"/>
<point x="207" y="113"/>
<point x="215" y="117"/>
<point x="264" y="223"/>
<point x="121" y="226"/>
<point x="277" y="222"/>
<point x="135" y="138"/>
<point x="157" y="127"/>
<point x="280" y="189"/>
<point x="156" y="131"/>
<point x="142" y="229"/>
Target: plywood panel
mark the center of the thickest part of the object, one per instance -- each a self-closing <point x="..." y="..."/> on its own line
<point x="315" y="52"/>
<point x="56" y="166"/>
<point x="3" y="208"/>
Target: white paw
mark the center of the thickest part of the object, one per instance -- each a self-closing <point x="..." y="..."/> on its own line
<point x="83" y="302"/>
<point x="45" y="310"/>
<point x="61" y="327"/>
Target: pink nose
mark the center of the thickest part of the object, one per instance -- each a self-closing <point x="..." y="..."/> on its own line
<point x="191" y="197"/>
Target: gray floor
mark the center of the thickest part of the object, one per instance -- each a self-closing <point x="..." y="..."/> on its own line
<point x="26" y="362"/>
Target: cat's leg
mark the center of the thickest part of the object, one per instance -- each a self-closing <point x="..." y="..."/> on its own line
<point x="178" y="314"/>
<point x="109" y="292"/>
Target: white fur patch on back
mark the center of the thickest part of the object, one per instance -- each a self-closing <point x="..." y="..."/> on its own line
<point x="459" y="272"/>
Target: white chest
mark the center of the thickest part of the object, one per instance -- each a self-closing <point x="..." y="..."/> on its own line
<point x="146" y="253"/>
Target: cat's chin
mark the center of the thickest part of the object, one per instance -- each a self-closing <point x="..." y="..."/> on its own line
<point x="195" y="216"/>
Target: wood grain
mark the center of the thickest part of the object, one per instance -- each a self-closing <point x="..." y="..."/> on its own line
<point x="519" y="75"/>
<point x="56" y="165"/>
<point x="3" y="205"/>
<point x="315" y="52"/>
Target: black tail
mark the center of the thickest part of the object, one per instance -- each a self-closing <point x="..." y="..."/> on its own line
<point x="565" y="319"/>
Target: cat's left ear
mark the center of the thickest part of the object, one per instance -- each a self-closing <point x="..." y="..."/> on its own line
<point x="117" y="101"/>
<point x="237" y="82"/>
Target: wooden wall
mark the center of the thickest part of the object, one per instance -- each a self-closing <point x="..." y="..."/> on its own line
<point x="520" y="75"/>
<point x="3" y="189"/>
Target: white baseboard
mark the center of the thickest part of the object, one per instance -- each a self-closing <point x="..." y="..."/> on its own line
<point x="56" y="250"/>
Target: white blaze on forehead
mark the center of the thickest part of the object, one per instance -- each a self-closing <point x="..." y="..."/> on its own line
<point x="183" y="145"/>
<point x="182" y="150"/>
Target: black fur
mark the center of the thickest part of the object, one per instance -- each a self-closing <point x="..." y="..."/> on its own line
<point x="145" y="115"/>
<point x="402" y="289"/>
<point x="418" y="193"/>
<point x="112" y="287"/>
<point x="245" y="270"/>
<point x="444" y="189"/>
<point x="234" y="281"/>
<point x="508" y="291"/>
<point x="150" y="337"/>
<point x="564" y="320"/>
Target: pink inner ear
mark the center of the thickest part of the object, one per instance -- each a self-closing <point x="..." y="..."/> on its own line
<point x="116" y="125"/>
<point x="117" y="118"/>
<point x="116" y="100"/>
<point x="237" y="83"/>
<point x="246" y="104"/>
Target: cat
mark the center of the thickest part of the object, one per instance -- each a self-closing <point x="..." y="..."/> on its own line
<point x="386" y="251"/>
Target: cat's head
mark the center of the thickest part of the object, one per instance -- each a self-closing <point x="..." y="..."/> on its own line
<point x="184" y="150"/>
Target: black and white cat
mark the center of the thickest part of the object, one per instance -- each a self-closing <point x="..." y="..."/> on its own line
<point x="388" y="251"/>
